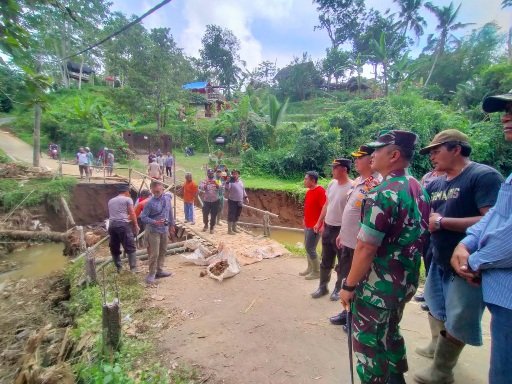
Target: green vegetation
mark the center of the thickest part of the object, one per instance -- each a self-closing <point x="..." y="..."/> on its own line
<point x="4" y="158"/>
<point x="137" y="360"/>
<point x="13" y="192"/>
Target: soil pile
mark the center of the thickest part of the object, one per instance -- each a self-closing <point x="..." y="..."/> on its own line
<point x="18" y="170"/>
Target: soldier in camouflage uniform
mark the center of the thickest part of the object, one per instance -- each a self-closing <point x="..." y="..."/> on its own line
<point x="385" y="268"/>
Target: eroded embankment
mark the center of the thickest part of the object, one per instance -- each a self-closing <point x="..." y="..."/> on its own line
<point x="281" y="203"/>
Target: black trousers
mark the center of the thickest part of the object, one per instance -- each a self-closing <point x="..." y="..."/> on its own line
<point x="344" y="262"/>
<point x="210" y="208"/>
<point x="234" y="210"/>
<point x="329" y="249"/>
<point x="120" y="234"/>
<point x="168" y="171"/>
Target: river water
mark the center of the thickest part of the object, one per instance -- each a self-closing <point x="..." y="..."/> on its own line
<point x="286" y="237"/>
<point x="36" y="261"/>
<point x="41" y="260"/>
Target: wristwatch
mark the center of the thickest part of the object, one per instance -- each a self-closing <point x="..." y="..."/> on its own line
<point x="345" y="287"/>
<point x="437" y="223"/>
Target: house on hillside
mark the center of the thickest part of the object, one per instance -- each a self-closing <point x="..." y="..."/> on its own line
<point x="77" y="71"/>
<point x="207" y="98"/>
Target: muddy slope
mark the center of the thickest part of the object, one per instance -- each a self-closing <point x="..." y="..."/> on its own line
<point x="290" y="211"/>
<point x="89" y="202"/>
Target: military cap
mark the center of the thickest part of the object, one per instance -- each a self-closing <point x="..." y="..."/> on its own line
<point x="364" y="150"/>
<point x="403" y="139"/>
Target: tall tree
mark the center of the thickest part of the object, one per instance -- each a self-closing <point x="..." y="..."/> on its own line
<point x="265" y="72"/>
<point x="342" y="19"/>
<point x="220" y="55"/>
<point x="446" y="17"/>
<point x="365" y="44"/>
<point x="299" y="78"/>
<point x="410" y="17"/>
<point x="505" y="4"/>
<point x="335" y="64"/>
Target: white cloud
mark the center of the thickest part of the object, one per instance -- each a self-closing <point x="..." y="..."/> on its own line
<point x="236" y="15"/>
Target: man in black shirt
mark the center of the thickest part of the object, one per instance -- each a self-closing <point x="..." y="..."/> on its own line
<point x="459" y="199"/>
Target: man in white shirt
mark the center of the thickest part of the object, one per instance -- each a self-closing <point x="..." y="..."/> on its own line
<point x="329" y="223"/>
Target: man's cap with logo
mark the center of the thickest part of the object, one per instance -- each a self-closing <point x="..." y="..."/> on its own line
<point x="496" y="103"/>
<point x="343" y="162"/>
<point x="364" y="150"/>
<point x="403" y="139"/>
<point x="123" y="188"/>
<point x="448" y="135"/>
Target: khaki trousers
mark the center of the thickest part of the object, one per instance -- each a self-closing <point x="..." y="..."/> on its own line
<point x="157" y="248"/>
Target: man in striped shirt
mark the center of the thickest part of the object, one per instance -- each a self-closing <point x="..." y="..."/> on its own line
<point x="486" y="251"/>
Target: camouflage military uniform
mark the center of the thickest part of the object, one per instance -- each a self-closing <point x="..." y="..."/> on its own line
<point x="394" y="218"/>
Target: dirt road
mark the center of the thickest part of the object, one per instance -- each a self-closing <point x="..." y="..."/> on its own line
<point x="262" y="326"/>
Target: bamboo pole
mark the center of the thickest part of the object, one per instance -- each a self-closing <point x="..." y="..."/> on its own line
<point x="152" y="179"/>
<point x="261" y="211"/>
<point x="91" y="248"/>
<point x="68" y="211"/>
<point x="271" y="227"/>
<point x="142" y="257"/>
<point x="16" y="207"/>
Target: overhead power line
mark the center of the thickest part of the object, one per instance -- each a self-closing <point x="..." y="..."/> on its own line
<point x="130" y="24"/>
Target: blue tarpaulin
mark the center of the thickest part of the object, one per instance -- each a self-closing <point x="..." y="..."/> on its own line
<point x="196" y="85"/>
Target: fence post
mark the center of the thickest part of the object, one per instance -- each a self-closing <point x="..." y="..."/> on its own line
<point x="111" y="322"/>
<point x="90" y="267"/>
<point x="266" y="224"/>
<point x="129" y="175"/>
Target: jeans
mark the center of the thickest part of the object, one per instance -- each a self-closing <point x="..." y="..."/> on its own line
<point x="311" y="239"/>
<point x="189" y="212"/>
<point x="452" y="300"/>
<point x="501" y="340"/>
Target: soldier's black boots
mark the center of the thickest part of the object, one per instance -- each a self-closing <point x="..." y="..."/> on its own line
<point x="339" y="319"/>
<point x="325" y="275"/>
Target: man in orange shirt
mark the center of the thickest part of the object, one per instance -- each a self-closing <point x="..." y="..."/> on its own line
<point x="190" y="191"/>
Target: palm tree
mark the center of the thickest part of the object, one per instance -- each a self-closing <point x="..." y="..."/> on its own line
<point x="380" y="51"/>
<point x="410" y="17"/>
<point x="446" y="17"/>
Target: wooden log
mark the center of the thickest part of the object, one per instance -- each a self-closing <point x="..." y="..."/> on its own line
<point x="33" y="235"/>
<point x="111" y="322"/>
<point x="141" y="256"/>
<point x="68" y="211"/>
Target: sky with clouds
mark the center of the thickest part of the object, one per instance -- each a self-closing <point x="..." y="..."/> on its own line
<point x="278" y="30"/>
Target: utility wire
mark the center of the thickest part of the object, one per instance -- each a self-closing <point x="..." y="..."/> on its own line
<point x="130" y="24"/>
